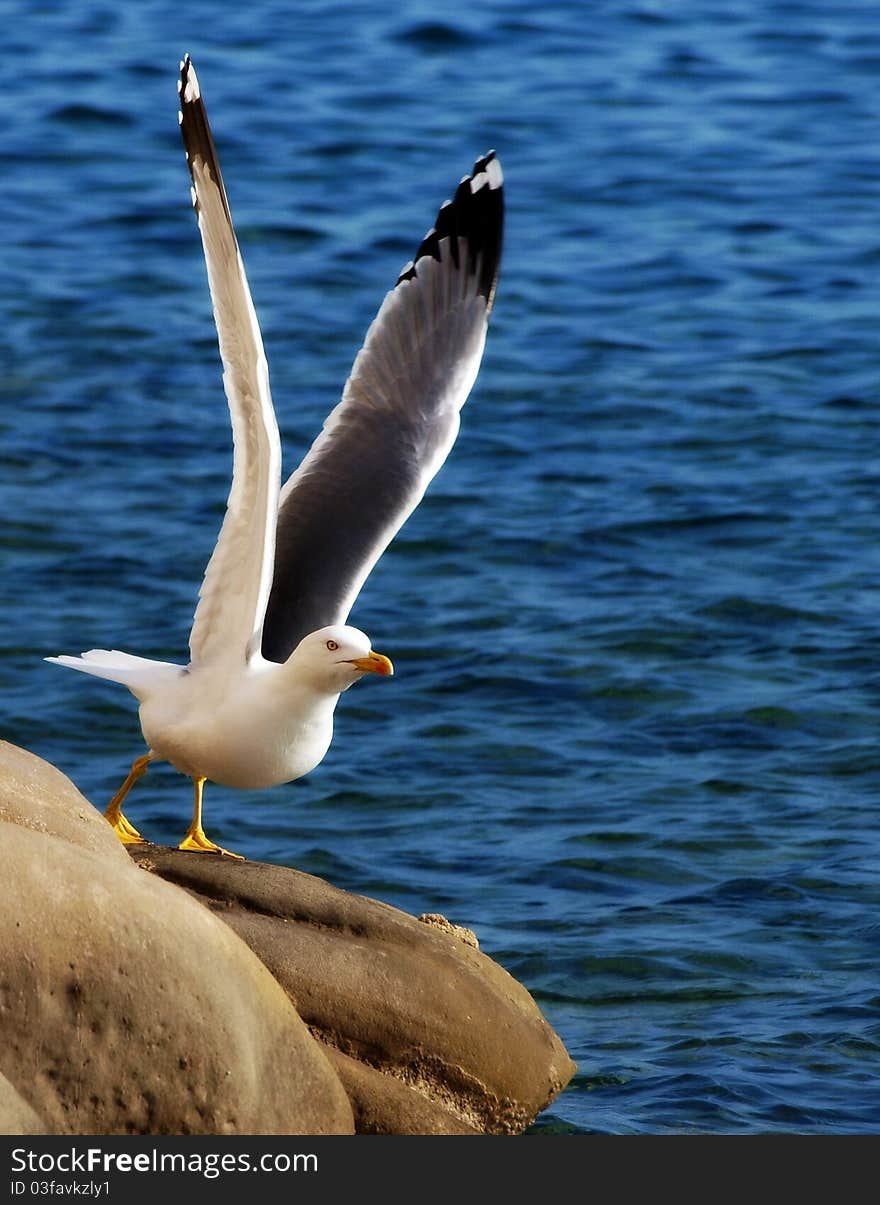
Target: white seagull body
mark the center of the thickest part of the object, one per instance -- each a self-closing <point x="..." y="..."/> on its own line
<point x="270" y="649"/>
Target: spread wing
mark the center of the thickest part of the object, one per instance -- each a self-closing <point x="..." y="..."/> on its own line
<point x="398" y="418"/>
<point x="232" y="600"/>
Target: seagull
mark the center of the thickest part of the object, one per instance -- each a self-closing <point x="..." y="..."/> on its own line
<point x="270" y="647"/>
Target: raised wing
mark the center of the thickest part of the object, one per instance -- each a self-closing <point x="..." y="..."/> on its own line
<point x="398" y="418"/>
<point x="232" y="600"/>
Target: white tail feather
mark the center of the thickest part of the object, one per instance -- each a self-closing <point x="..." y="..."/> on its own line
<point x="137" y="673"/>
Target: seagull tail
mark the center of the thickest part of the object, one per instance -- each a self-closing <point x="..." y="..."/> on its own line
<point x="137" y="673"/>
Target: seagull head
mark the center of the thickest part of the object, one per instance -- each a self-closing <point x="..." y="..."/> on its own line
<point x="335" y="658"/>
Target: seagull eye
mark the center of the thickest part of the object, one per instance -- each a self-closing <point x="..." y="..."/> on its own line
<point x="332" y="646"/>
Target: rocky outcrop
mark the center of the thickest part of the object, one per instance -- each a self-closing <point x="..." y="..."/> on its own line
<point x="212" y="996"/>
<point x="126" y="1006"/>
<point x="429" y="1026"/>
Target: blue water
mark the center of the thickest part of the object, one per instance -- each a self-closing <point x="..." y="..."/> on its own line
<point x="633" y="736"/>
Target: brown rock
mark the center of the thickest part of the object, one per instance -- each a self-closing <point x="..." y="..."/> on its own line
<point x="37" y="796"/>
<point x="468" y="936"/>
<point x="438" y="1037"/>
<point x="128" y="1008"/>
<point x="16" y="1115"/>
<point x="383" y="1104"/>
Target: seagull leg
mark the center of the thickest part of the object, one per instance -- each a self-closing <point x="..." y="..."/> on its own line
<point x="124" y="830"/>
<point x="195" y="838"/>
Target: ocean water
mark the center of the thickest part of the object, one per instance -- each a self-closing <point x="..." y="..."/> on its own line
<point x="633" y="736"/>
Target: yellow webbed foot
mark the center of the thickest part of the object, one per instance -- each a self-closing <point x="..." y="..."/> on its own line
<point x="195" y="838"/>
<point x="124" y="829"/>
<point x="198" y="842"/>
<point x="127" y="833"/>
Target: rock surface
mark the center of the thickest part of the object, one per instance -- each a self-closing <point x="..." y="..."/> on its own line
<point x="16" y="1115"/>
<point x="37" y="796"/>
<point x="129" y="1005"/>
<point x="434" y="1028"/>
<point x="126" y="1006"/>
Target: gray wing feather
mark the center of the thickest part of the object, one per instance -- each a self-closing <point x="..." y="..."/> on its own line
<point x="398" y="418"/>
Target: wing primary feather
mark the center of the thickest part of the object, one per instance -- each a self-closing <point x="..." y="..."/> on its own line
<point x="397" y="420"/>
<point x="198" y="141"/>
<point x="232" y="600"/>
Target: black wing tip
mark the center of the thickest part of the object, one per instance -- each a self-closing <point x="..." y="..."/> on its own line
<point x="192" y="116"/>
<point x="198" y="141"/>
<point x="494" y="175"/>
<point x="475" y="214"/>
<point x="188" y="83"/>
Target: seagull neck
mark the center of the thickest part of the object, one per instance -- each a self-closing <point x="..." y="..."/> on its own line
<point x="300" y="689"/>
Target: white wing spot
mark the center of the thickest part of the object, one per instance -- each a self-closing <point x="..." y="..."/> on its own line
<point x="495" y="174"/>
<point x="491" y="175"/>
<point x="192" y="193"/>
<point x="191" y="91"/>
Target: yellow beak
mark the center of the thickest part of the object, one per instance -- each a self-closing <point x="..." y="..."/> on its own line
<point x="373" y="663"/>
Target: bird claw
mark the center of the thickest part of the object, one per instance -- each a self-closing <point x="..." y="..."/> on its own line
<point x="124" y="829"/>
<point x="197" y="842"/>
